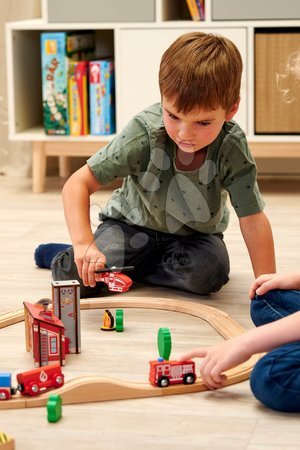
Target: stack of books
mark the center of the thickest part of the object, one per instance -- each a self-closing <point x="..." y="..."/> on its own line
<point x="77" y="90"/>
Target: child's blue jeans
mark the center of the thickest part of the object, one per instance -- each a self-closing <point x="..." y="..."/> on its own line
<point x="197" y="263"/>
<point x="275" y="379"/>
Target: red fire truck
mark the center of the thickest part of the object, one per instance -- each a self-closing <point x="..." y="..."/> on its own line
<point x="162" y="372"/>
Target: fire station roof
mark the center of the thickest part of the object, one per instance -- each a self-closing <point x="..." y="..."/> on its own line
<point x="38" y="312"/>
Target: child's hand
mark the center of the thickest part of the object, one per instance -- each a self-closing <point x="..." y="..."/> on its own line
<point x="262" y="284"/>
<point x="88" y="259"/>
<point x="268" y="282"/>
<point x="217" y="359"/>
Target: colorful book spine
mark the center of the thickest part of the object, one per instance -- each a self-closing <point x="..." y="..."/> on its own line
<point x="194" y="12"/>
<point x="102" y="104"/>
<point x="78" y="98"/>
<point x="200" y="6"/>
<point x="54" y="83"/>
<point x="78" y="42"/>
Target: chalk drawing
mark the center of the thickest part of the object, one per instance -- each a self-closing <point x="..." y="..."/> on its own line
<point x="288" y="78"/>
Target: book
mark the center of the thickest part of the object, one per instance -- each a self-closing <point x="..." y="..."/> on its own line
<point x="78" y="98"/>
<point x="193" y="9"/>
<point x="200" y="6"/>
<point x="54" y="83"/>
<point x="102" y="97"/>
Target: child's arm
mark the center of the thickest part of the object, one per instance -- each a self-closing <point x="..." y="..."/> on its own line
<point x="267" y="282"/>
<point x="237" y="350"/>
<point x="257" y="234"/>
<point x="76" y="199"/>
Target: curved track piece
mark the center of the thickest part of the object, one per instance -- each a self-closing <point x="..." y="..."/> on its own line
<point x="95" y="388"/>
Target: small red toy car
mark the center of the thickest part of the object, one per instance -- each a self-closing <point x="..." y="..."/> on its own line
<point x="40" y="379"/>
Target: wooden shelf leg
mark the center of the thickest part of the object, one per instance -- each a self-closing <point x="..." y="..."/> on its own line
<point x="64" y="166"/>
<point x="38" y="167"/>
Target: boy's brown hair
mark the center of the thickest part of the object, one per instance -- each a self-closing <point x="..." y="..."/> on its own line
<point x="201" y="71"/>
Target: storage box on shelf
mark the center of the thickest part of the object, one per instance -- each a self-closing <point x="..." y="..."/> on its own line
<point x="137" y="48"/>
<point x="99" y="11"/>
<point x="277" y="74"/>
<point x="255" y="10"/>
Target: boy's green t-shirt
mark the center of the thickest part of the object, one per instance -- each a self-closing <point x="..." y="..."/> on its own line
<point x="156" y="195"/>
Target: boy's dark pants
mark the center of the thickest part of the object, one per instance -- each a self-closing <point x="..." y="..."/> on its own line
<point x="197" y="263"/>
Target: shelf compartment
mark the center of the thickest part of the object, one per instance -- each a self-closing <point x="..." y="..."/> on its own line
<point x="24" y="60"/>
<point x="277" y="81"/>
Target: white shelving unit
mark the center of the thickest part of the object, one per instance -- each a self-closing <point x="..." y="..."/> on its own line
<point x="137" y="48"/>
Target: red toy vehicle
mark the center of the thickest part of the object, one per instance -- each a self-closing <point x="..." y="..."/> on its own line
<point x="163" y="373"/>
<point x="6" y="389"/>
<point x="116" y="282"/>
<point x="115" y="279"/>
<point x="40" y="379"/>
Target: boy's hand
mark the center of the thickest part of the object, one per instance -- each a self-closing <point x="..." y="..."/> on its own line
<point x="268" y="282"/>
<point x="217" y="359"/>
<point x="88" y="259"/>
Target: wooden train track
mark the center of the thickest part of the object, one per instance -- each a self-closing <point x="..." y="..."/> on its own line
<point x="96" y="388"/>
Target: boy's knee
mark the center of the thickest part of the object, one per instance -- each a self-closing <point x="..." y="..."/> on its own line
<point x="206" y="278"/>
<point x="63" y="266"/>
<point x="212" y="279"/>
<point x="212" y="272"/>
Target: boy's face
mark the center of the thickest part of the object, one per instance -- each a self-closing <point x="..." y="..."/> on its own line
<point x="195" y="130"/>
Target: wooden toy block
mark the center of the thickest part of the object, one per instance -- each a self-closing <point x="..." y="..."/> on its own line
<point x="108" y="321"/>
<point x="164" y="343"/>
<point x="54" y="408"/>
<point x="66" y="306"/>
<point x="119" y="320"/>
<point x="6" y="441"/>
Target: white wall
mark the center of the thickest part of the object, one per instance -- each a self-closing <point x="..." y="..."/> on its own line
<point x="15" y="157"/>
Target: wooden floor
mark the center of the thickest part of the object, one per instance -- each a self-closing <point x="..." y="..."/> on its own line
<point x="226" y="419"/>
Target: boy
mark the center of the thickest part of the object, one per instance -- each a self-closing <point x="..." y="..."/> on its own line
<point x="275" y="379"/>
<point x="178" y="159"/>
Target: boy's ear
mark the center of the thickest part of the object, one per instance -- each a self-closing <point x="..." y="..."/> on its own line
<point x="233" y="110"/>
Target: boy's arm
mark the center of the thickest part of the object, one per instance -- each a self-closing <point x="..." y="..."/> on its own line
<point x="257" y="234"/>
<point x="76" y="199"/>
<point x="237" y="350"/>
